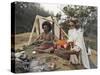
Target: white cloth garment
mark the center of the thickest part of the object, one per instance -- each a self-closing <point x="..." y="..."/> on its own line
<point x="77" y="37"/>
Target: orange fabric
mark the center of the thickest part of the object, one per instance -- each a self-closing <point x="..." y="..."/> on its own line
<point x="62" y="43"/>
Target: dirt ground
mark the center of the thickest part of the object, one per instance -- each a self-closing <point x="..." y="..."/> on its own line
<point x="22" y="39"/>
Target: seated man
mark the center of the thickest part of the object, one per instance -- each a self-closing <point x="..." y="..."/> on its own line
<point x="45" y="39"/>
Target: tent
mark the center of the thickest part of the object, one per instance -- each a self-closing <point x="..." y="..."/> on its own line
<point x="37" y="27"/>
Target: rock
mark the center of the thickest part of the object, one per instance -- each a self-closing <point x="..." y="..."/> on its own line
<point x="18" y="60"/>
<point x="34" y="63"/>
<point x="40" y="64"/>
<point x="23" y="56"/>
<point x="52" y="65"/>
<point x="18" y="54"/>
<point x="21" y="66"/>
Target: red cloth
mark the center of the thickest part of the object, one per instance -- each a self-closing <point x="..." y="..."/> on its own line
<point x="45" y="46"/>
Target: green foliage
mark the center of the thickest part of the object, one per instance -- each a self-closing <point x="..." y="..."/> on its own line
<point x="78" y="11"/>
<point x="87" y="16"/>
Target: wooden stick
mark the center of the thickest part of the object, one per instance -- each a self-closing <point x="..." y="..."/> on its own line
<point x="31" y="35"/>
